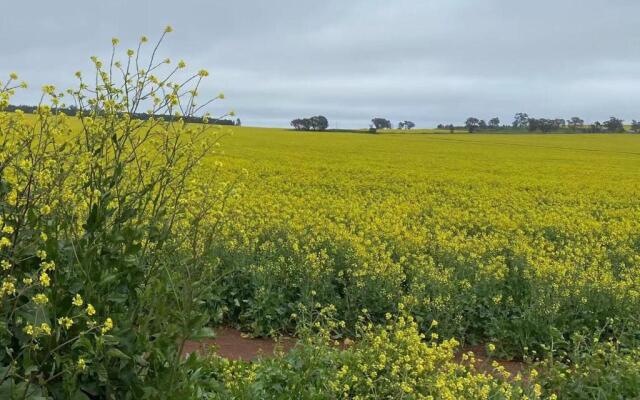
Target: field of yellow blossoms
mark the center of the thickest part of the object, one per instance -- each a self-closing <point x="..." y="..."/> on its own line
<point x="527" y="244"/>
<point x="516" y="240"/>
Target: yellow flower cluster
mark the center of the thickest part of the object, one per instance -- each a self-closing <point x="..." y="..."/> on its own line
<point x="32" y="164"/>
<point x="35" y="331"/>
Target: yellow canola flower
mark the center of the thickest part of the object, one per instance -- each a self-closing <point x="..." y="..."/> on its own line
<point x="40" y="299"/>
<point x="77" y="300"/>
<point x="5" y="265"/>
<point x="45" y="328"/>
<point x="8" y="288"/>
<point x="48" y="266"/>
<point x="29" y="330"/>
<point x="65" y="322"/>
<point x="45" y="280"/>
<point x="107" y="326"/>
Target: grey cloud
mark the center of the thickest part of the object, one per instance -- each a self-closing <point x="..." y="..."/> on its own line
<point x="427" y="60"/>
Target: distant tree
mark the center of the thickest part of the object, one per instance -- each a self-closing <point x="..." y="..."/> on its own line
<point x="440" y="126"/>
<point x="596" y="127"/>
<point x="319" y="123"/>
<point x="472" y="124"/>
<point x="521" y="121"/>
<point x="482" y="125"/>
<point x="614" y="125"/>
<point x="560" y="122"/>
<point x="238" y="122"/>
<point x="297" y="124"/>
<point x="406" y="125"/>
<point x="314" y="123"/>
<point x="575" y="123"/>
<point x="451" y="128"/>
<point x="381" y="123"/>
<point x="494" y="123"/>
<point x="635" y="126"/>
<point x="543" y="125"/>
<point x="550" y="125"/>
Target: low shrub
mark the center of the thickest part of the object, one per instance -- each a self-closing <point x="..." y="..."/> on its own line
<point x="591" y="370"/>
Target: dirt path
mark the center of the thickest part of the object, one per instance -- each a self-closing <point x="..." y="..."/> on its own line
<point x="232" y="344"/>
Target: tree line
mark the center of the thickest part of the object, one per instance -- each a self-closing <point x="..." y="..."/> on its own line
<point x="73" y="111"/>
<point x="320" y="123"/>
<point x="523" y="122"/>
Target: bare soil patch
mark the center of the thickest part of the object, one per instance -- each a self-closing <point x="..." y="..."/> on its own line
<point x="232" y="344"/>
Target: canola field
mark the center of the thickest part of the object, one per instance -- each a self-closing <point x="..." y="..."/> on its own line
<point x="389" y="257"/>
<point x="515" y="240"/>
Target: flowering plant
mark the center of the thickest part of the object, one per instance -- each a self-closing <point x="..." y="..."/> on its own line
<point x="102" y="232"/>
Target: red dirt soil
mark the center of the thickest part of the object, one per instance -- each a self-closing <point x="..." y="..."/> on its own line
<point x="232" y="344"/>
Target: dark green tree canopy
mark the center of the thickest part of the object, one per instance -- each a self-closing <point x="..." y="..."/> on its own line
<point x="472" y="124"/>
<point x="381" y="123"/>
<point x="317" y="123"/>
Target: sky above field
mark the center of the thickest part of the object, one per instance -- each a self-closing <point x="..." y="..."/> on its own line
<point x="429" y="61"/>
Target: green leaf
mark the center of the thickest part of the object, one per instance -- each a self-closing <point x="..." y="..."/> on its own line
<point x="103" y="376"/>
<point x="116" y="353"/>
<point x="79" y="395"/>
<point x="203" y="333"/>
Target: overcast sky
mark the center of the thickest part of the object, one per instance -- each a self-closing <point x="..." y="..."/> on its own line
<point x="429" y="61"/>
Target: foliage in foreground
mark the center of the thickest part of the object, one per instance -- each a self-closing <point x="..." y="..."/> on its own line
<point x="102" y="233"/>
